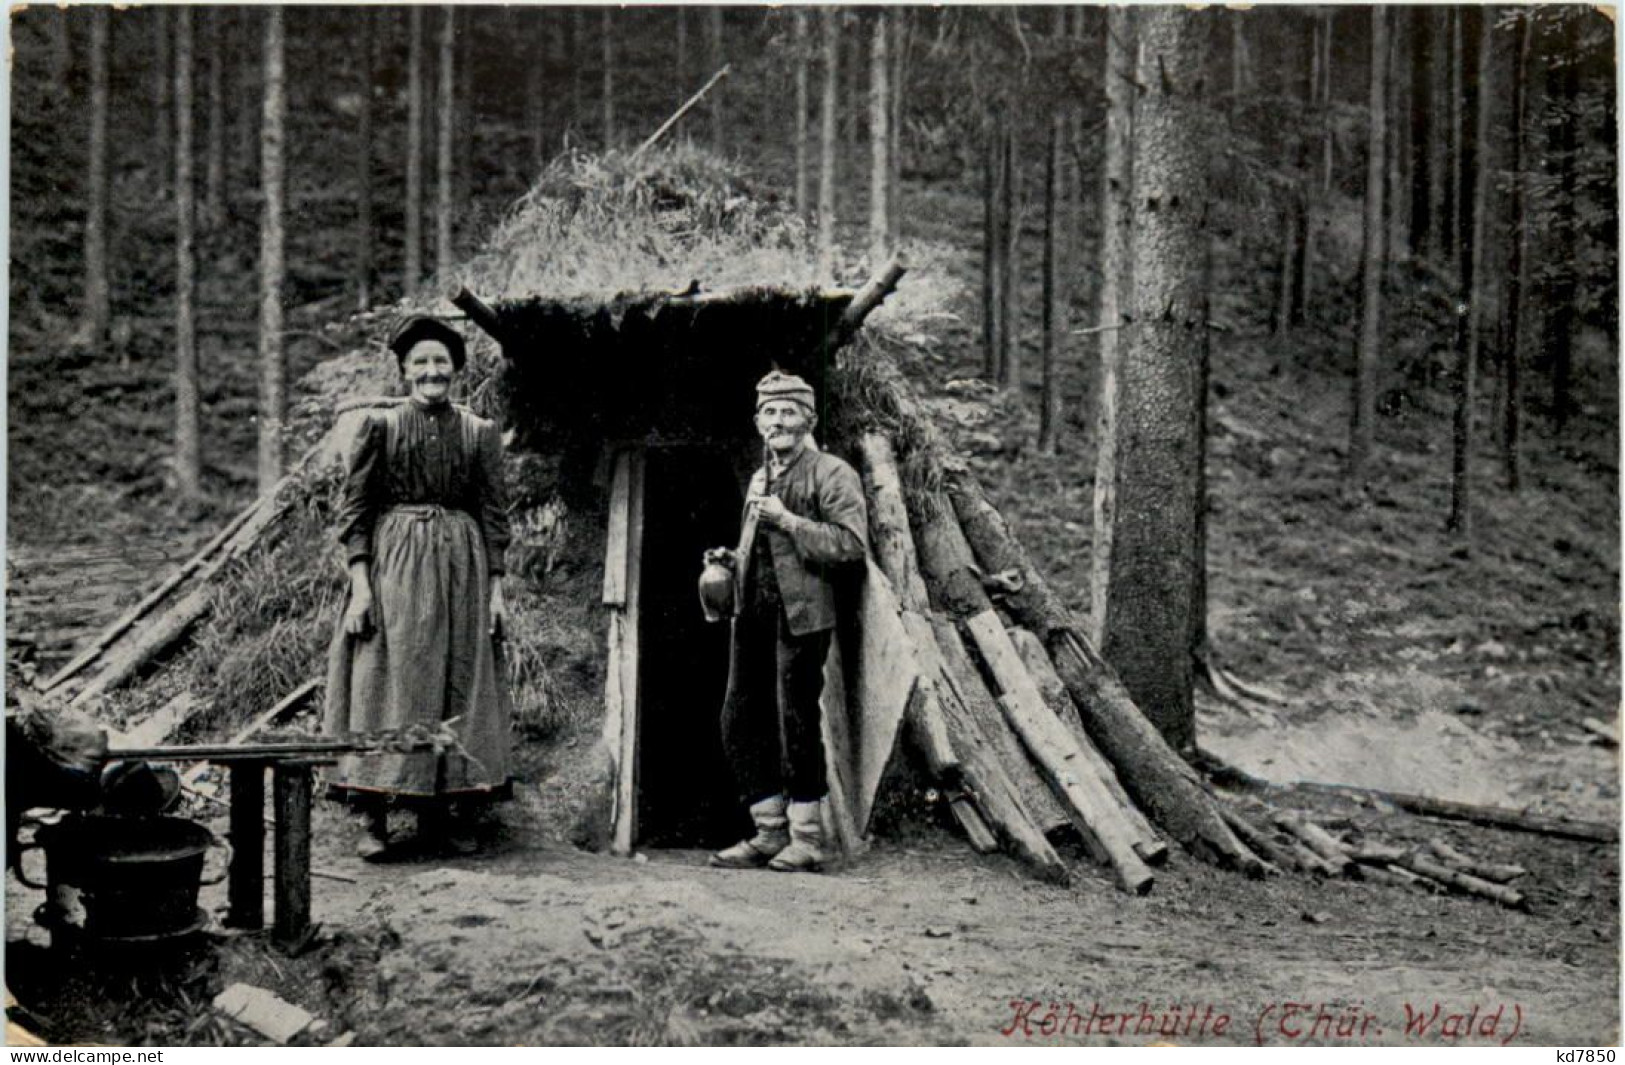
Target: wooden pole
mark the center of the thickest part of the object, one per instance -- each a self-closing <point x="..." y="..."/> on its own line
<point x="680" y="112"/>
<point x="245" y="887"/>
<point x="291" y="782"/>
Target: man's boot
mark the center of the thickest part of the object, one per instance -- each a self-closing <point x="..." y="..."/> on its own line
<point x="805" y="854"/>
<point x="771" y="837"/>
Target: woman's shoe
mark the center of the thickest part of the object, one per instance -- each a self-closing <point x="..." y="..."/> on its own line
<point x="372" y="842"/>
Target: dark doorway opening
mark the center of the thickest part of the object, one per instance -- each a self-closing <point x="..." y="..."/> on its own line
<point x="686" y="793"/>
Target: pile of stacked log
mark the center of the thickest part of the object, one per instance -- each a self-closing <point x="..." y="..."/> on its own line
<point x="1025" y="726"/>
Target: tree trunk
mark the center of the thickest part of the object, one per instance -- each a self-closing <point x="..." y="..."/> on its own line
<point x="443" y="151"/>
<point x="1396" y="151"/>
<point x="826" y="146"/>
<point x="468" y="115"/>
<point x="97" y="304"/>
<point x="1557" y="331"/>
<point x="364" y="242"/>
<point x="188" y="461"/>
<point x="719" y="139"/>
<point x="414" y="155"/>
<point x="273" y="369"/>
<point x="1240" y="60"/>
<point x="1151" y="565"/>
<point x="682" y="54"/>
<point x="536" y="89"/>
<point x="1009" y="376"/>
<point x="879" y="139"/>
<point x="1455" y="190"/>
<point x="577" y="52"/>
<point x="1441" y="201"/>
<point x="1517" y="257"/>
<point x="1421" y="133"/>
<point x="901" y="20"/>
<point x="1475" y="289"/>
<point x="802" y="59"/>
<point x="163" y="118"/>
<point x="607" y="32"/>
<point x="1327" y="146"/>
<point x="1117" y="214"/>
<point x="992" y="174"/>
<point x="1049" y="415"/>
<point x="1372" y="258"/>
<point x="61" y="50"/>
<point x="249" y="94"/>
<point x="214" y="143"/>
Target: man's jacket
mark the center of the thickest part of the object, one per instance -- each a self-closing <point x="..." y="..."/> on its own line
<point x="829" y="529"/>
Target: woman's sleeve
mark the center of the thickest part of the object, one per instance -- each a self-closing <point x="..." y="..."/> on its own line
<point x="493" y="502"/>
<point x="358" y="510"/>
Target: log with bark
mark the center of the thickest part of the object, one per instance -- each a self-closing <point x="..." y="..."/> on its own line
<point x="125" y="655"/>
<point x="1422" y="865"/>
<point x="1495" y="872"/>
<point x="1147" y="844"/>
<point x="984" y="719"/>
<point x="955" y="748"/>
<point x="1059" y="756"/>
<point x="948" y="570"/>
<point x="1320" y="842"/>
<point x="1166" y="788"/>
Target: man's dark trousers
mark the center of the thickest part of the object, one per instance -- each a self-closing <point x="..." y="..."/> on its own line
<point x="773" y="753"/>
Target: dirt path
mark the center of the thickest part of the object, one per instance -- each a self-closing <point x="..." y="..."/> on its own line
<point x="921" y="941"/>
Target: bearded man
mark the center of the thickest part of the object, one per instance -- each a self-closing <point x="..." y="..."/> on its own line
<point x="804" y="522"/>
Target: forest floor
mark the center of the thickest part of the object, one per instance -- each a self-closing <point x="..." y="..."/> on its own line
<point x="1401" y="664"/>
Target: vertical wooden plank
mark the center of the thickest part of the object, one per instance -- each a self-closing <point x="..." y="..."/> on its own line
<point x="886" y="676"/>
<point x="836" y="725"/>
<point x="291" y="783"/>
<point x="615" y="550"/>
<point x="626" y="784"/>
<point x="245" y="886"/>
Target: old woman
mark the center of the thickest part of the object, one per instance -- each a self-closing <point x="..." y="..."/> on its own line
<point x="423" y="526"/>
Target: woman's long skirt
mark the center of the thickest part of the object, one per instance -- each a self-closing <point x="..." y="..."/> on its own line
<point x="429" y="660"/>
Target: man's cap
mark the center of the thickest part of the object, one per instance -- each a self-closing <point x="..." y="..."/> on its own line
<point x="777" y="385"/>
<point x="421" y="327"/>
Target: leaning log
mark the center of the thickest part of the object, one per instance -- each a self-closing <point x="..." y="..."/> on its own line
<point x="122" y="624"/>
<point x="868" y="298"/>
<point x="131" y="653"/>
<point x="893" y="547"/>
<point x="942" y="552"/>
<point x="1147" y="844"/>
<point x="1057" y="755"/>
<point x="1162" y="784"/>
<point x="983" y="764"/>
<point x="982" y="714"/>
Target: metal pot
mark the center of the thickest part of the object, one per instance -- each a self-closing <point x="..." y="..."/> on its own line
<point x="137" y="878"/>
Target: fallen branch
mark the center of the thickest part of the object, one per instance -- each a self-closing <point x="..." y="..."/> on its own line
<point x="1494" y="872"/>
<point x="1319" y="841"/>
<point x="1463" y="882"/>
<point x="1259" y="840"/>
<point x="1490" y="816"/>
